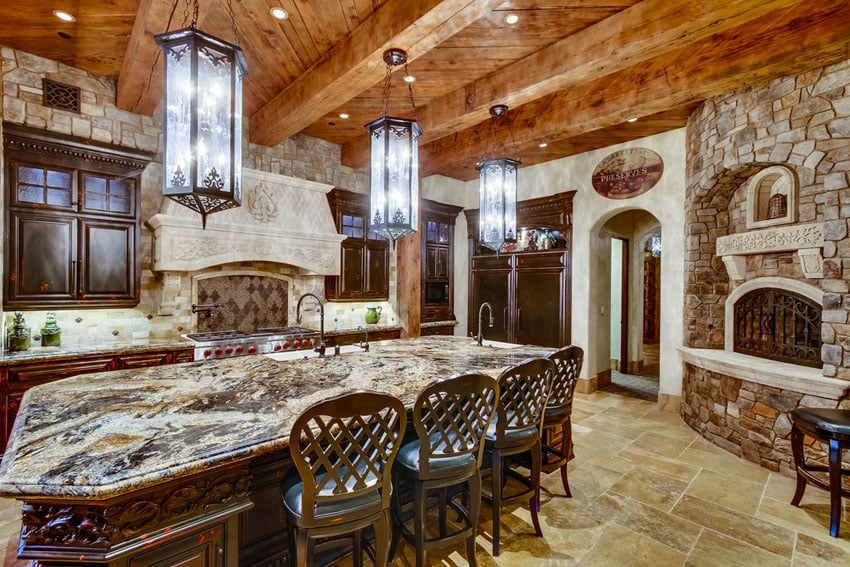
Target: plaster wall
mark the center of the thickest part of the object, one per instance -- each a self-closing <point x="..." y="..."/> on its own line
<point x="591" y="250"/>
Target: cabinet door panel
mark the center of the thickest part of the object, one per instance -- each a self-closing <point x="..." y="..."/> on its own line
<point x="351" y="276"/>
<point x="107" y="249"/>
<point x="492" y="287"/>
<point x="377" y="269"/>
<point x="204" y="549"/>
<point x="41" y="263"/>
<point x="538" y="308"/>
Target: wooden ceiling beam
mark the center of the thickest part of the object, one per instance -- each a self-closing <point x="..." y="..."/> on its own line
<point x="356" y="63"/>
<point x="639" y="33"/>
<point x="779" y="44"/>
<point x="140" y="81"/>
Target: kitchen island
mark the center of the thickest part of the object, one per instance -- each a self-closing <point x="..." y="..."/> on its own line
<point x="173" y="463"/>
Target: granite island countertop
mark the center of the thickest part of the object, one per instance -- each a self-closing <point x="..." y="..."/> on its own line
<point x="41" y="354"/>
<point x="102" y="435"/>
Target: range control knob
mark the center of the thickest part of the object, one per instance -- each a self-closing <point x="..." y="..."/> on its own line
<point x="229" y="350"/>
<point x="239" y="349"/>
<point x="252" y="349"/>
<point x="297" y="343"/>
<point x="218" y="352"/>
<point x="207" y="353"/>
<point x="277" y="347"/>
<point x="287" y="344"/>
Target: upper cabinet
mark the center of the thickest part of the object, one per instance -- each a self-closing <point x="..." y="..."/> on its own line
<point x="72" y="218"/>
<point x="438" y="225"/>
<point x="365" y="263"/>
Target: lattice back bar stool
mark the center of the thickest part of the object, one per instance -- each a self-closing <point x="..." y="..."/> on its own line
<point x="343" y="449"/>
<point x="523" y="391"/>
<point x="830" y="426"/>
<point x="450" y="418"/>
<point x="557" y="418"/>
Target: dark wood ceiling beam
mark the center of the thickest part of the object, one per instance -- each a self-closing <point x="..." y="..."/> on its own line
<point x="140" y="81"/>
<point x="356" y="63"/>
<point x="640" y="33"/>
<point x="782" y="43"/>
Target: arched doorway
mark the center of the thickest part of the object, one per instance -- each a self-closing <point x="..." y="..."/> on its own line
<point x="632" y="270"/>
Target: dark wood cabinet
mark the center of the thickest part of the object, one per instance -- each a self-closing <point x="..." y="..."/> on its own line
<point x="437" y="237"/>
<point x="364" y="261"/>
<point x="17" y="378"/>
<point x="529" y="292"/>
<point x="205" y="548"/>
<point x="72" y="212"/>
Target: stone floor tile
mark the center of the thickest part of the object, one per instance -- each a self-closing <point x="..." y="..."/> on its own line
<point x="713" y="549"/>
<point x="725" y="463"/>
<point x="751" y="530"/>
<point x="810" y="518"/>
<point x="671" y="467"/>
<point x="663" y="445"/>
<point x="814" y="552"/>
<point x="676" y="533"/>
<point x="658" y="490"/>
<point x="728" y="491"/>
<point x="621" y="546"/>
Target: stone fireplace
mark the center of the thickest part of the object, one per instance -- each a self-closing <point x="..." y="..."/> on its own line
<point x="766" y="297"/>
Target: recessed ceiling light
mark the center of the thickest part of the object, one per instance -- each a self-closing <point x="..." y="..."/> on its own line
<point x="511" y="19"/>
<point x="64" y="16"/>
<point x="343" y="115"/>
<point x="542" y="145"/>
<point x="279" y="13"/>
<point x="409" y="79"/>
<point x="632" y="119"/>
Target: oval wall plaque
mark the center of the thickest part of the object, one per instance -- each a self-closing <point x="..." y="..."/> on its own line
<point x="627" y="173"/>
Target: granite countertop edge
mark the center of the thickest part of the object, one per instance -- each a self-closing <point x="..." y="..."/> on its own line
<point x="38" y="354"/>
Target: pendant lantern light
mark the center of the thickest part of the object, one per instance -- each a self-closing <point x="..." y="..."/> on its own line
<point x="497" y="192"/>
<point x="394" y="171"/>
<point x="202" y="162"/>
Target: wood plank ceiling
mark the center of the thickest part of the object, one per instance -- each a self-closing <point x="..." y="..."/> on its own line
<point x="572" y="71"/>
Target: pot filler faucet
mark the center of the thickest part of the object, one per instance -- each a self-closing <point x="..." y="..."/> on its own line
<point x="320" y="348"/>
<point x="481" y="318"/>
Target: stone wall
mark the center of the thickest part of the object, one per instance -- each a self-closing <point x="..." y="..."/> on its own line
<point x="803" y="123"/>
<point x="101" y="121"/>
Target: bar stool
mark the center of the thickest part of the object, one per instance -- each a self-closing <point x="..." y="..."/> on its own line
<point x="523" y="390"/>
<point x="831" y="426"/>
<point x="342" y="447"/>
<point x="559" y="410"/>
<point x="450" y="418"/>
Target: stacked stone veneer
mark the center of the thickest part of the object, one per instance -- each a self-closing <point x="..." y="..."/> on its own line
<point x="101" y="121"/>
<point x="803" y="123"/>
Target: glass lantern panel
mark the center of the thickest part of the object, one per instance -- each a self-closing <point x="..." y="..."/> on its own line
<point x="178" y="116"/>
<point x="213" y="127"/>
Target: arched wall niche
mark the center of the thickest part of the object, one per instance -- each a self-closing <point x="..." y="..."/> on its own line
<point x="771" y="197"/>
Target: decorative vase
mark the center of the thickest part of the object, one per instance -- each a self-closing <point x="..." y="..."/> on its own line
<point x="373" y="315"/>
<point x="51" y="334"/>
<point x="19" y="337"/>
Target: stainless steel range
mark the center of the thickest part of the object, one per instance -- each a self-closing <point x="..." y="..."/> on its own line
<point x="225" y="344"/>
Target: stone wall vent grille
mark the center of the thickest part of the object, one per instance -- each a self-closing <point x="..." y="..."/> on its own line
<point x="61" y="96"/>
<point x="778" y="325"/>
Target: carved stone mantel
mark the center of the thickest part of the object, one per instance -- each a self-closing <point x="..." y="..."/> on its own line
<point x="805" y="239"/>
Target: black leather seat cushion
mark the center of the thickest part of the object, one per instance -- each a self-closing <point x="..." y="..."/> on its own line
<point x="824" y="423"/>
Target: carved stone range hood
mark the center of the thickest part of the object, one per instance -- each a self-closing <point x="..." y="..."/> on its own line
<point x="282" y="219"/>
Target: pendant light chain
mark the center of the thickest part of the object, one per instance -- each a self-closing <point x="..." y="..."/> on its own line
<point x="385" y="99"/>
<point x="233" y="22"/>
<point x="195" y="9"/>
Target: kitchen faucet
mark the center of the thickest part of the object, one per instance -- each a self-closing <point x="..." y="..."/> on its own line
<point x="320" y="348"/>
<point x="481" y="318"/>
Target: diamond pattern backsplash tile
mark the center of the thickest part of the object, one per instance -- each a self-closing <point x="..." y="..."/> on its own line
<point x="247" y="303"/>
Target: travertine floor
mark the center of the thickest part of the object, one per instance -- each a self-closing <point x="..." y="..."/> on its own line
<point x="646" y="491"/>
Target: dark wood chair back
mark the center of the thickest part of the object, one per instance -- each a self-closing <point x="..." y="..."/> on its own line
<point x="567" y="361"/>
<point x="451" y="417"/>
<point x="523" y="392"/>
<point x="344" y="448"/>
